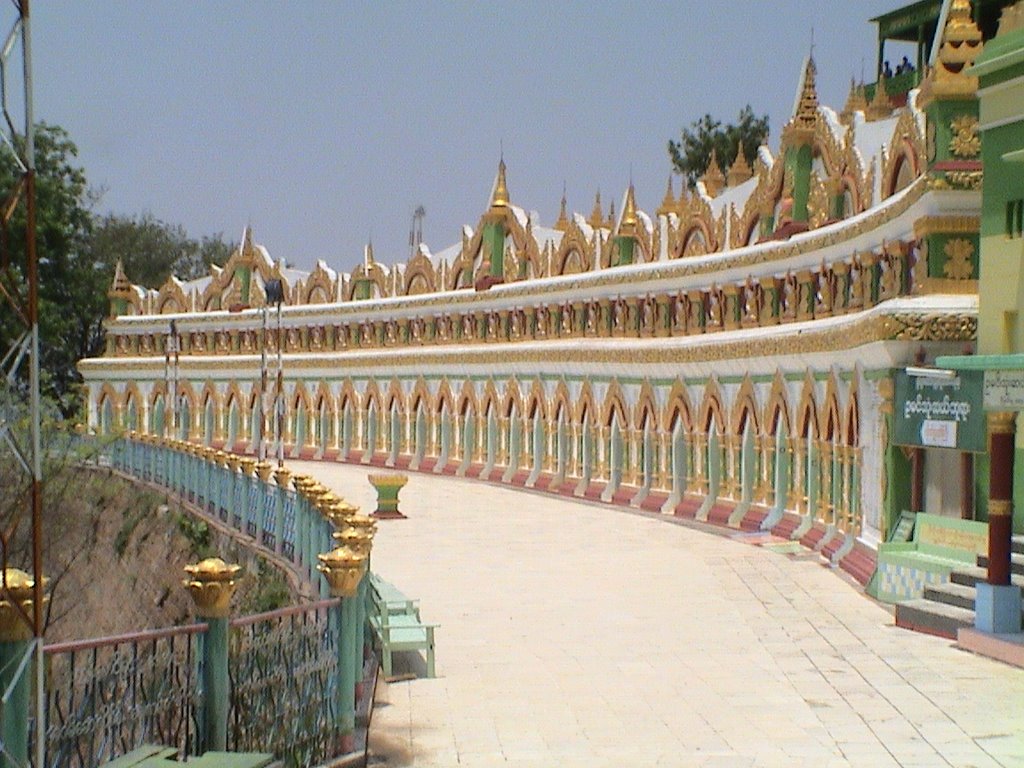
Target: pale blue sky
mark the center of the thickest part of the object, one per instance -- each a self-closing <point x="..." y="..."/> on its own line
<point x="323" y="123"/>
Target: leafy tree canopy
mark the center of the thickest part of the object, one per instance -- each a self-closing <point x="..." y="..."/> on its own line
<point x="691" y="154"/>
<point x="151" y="250"/>
<point x="77" y="251"/>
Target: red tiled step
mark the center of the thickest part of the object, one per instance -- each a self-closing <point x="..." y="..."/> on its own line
<point x="655" y="501"/>
<point x="786" y="526"/>
<point x="753" y="519"/>
<point x="624" y="494"/>
<point x="812" y="539"/>
<point x="860" y="563"/>
<point x="833" y="545"/>
<point x="688" y="506"/>
<point x="719" y="513"/>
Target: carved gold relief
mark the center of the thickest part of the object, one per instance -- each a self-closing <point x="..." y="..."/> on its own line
<point x="965" y="141"/>
<point x="958" y="259"/>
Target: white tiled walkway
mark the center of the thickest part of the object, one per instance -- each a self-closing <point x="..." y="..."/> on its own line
<point x="576" y="635"/>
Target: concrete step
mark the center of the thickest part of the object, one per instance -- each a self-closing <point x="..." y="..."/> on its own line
<point x="933" y="618"/>
<point x="959" y="595"/>
<point x="1016" y="562"/>
<point x="970" y="575"/>
<point x="1017" y="544"/>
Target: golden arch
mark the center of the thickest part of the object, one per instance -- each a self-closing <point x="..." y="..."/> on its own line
<point x="711" y="411"/>
<point x="745" y="409"/>
<point x="678" y="408"/>
<point x="614" y="405"/>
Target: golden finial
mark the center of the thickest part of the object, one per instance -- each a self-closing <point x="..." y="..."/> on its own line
<point x="807" y="108"/>
<point x="121" y="284"/>
<point x="961" y="44"/>
<point x="343" y="570"/>
<point x="596" y="219"/>
<point x="1012" y="18"/>
<point x="879" y="108"/>
<point x="713" y="177"/>
<point x="563" y="219"/>
<point x="368" y="255"/>
<point x="627" y="226"/>
<point x="855" y="102"/>
<point x="668" y="203"/>
<point x="610" y="224"/>
<point x="499" y="197"/>
<point x="211" y="583"/>
<point x="16" y="604"/>
<point x="740" y="169"/>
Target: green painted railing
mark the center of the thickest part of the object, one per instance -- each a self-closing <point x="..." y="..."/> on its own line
<point x="292" y="674"/>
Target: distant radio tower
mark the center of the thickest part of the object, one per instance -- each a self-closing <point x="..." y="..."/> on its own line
<point x="416" y="230"/>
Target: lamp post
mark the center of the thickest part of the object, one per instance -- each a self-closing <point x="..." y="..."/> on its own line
<point x="171" y="378"/>
<point x="275" y="295"/>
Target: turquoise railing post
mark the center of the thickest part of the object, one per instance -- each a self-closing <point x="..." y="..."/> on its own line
<point x="264" y="507"/>
<point x="282" y="476"/>
<point x="15" y="670"/>
<point x="211" y="583"/>
<point x="342" y="569"/>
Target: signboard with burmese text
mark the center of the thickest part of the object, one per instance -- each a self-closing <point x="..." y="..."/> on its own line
<point x="941" y="411"/>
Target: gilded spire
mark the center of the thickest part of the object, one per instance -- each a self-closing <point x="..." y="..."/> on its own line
<point x="807" y="108"/>
<point x="121" y="284"/>
<point x="713" y="177"/>
<point x="855" y="102"/>
<point x="610" y="224"/>
<point x="499" y="197"/>
<point x="628" y="224"/>
<point x="740" y="169"/>
<point x="668" y="203"/>
<point x="596" y="219"/>
<point x="247" y="249"/>
<point x="368" y="255"/>
<point x="879" y="108"/>
<point x="563" y="218"/>
<point x="961" y="44"/>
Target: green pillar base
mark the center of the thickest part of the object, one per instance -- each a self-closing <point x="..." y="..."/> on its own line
<point x="388" y="487"/>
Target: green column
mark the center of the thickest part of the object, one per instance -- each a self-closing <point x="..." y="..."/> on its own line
<point x="494" y="246"/>
<point x="214" y="736"/>
<point x="15" y="678"/>
<point x="211" y="583"/>
<point x="345" y="696"/>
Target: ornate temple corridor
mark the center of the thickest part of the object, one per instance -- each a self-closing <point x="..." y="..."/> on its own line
<point x="579" y="635"/>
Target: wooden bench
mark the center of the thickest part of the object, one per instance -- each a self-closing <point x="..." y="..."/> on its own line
<point x="397" y="625"/>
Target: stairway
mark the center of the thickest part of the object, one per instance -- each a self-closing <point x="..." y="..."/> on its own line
<point x="944" y="608"/>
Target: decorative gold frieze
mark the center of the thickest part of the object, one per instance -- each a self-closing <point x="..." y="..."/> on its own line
<point x="965" y="141"/>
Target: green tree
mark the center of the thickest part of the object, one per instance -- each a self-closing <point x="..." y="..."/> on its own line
<point x="151" y="250"/>
<point x="72" y="299"/>
<point x="691" y="154"/>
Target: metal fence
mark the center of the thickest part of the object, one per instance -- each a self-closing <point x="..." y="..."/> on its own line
<point x="284" y="671"/>
<point x="107" y="696"/>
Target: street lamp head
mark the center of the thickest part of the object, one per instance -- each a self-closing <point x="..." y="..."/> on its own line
<point x="274" y="291"/>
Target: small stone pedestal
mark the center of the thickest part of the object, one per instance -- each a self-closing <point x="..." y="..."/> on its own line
<point x="997" y="609"/>
<point x="388" y="487"/>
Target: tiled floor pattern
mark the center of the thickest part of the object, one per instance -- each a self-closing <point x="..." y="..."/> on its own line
<point x="575" y="635"/>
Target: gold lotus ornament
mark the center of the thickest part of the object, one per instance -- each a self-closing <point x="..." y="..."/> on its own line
<point x="343" y="568"/>
<point x="211" y="584"/>
<point x="353" y="538"/>
<point x="282" y="476"/>
<point x="233" y="462"/>
<point x="20" y="588"/>
<point x="248" y="465"/>
<point x="339" y="511"/>
<point x="265" y="470"/>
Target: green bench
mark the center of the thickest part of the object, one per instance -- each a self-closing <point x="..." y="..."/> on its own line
<point x="397" y="625"/>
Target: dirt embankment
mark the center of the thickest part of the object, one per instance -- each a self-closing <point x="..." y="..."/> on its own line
<point x="115" y="551"/>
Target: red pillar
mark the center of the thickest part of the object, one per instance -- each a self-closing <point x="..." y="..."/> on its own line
<point x="1001" y="428"/>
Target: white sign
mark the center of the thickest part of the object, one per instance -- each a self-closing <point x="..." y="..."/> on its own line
<point x="1003" y="391"/>
<point x="940" y="434"/>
